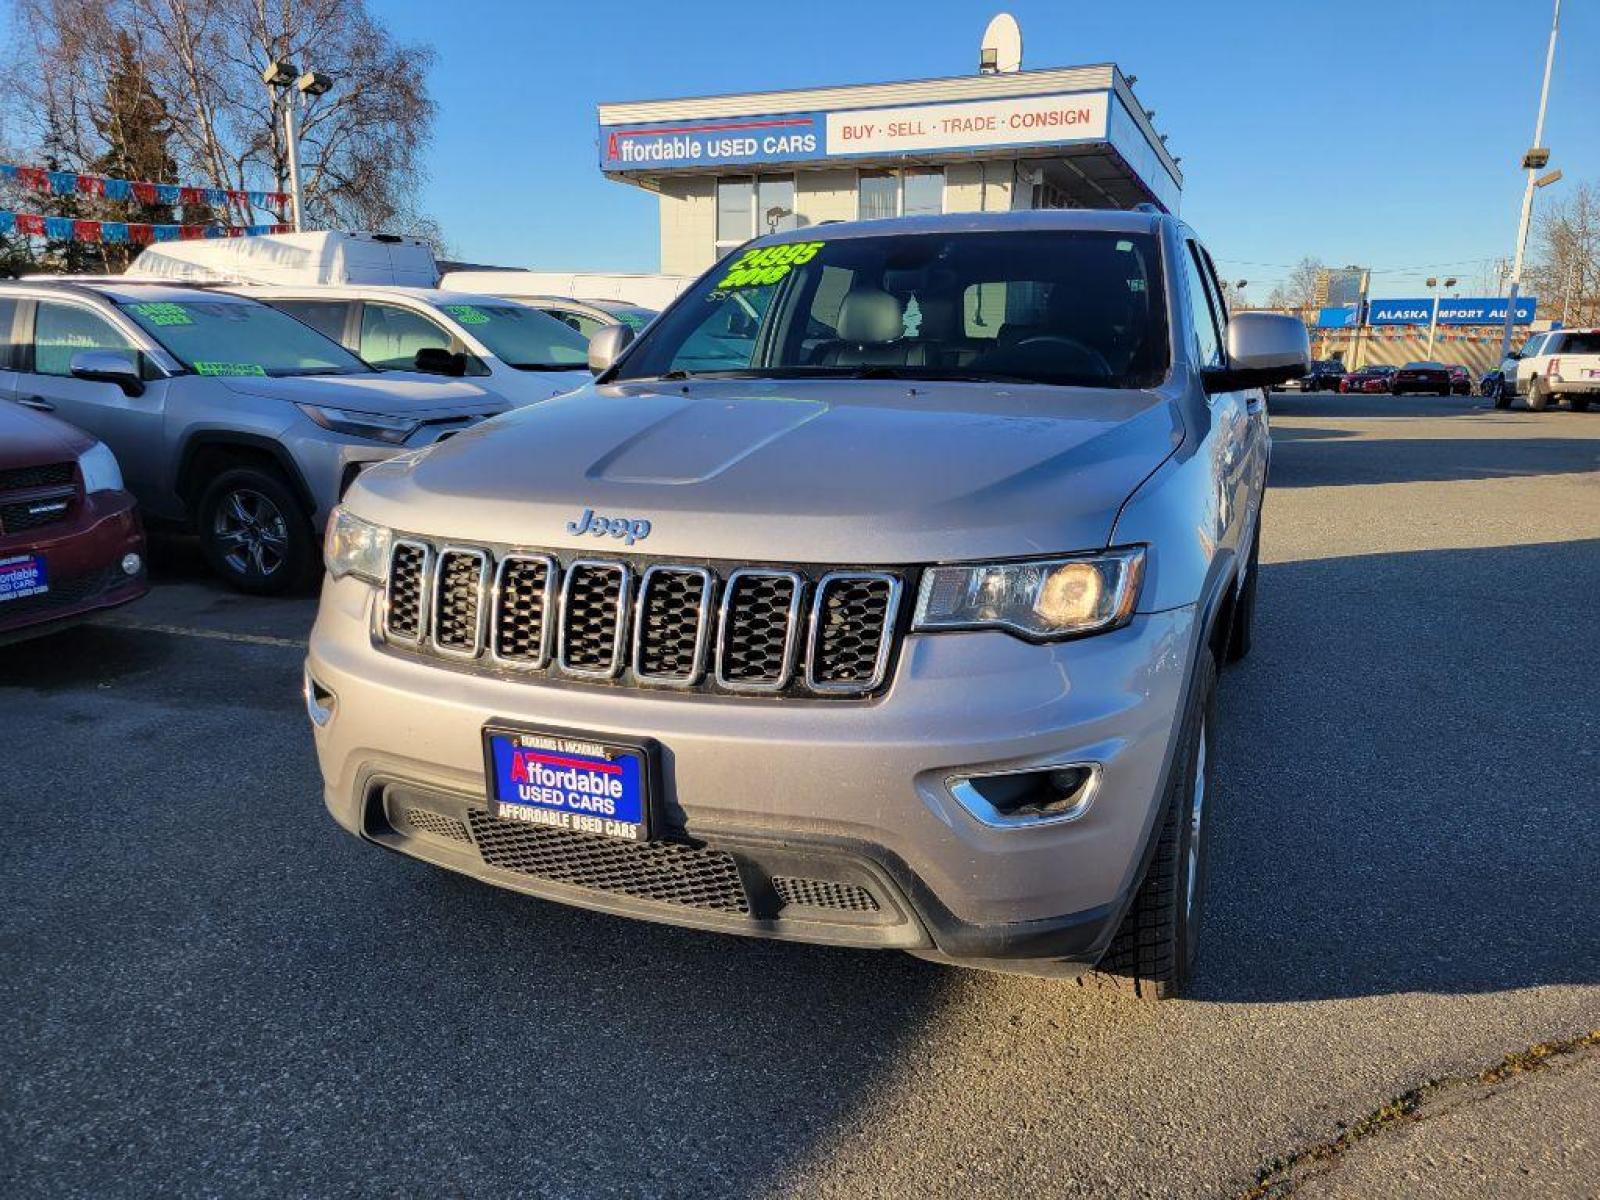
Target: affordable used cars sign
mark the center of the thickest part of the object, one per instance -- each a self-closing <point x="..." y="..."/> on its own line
<point x="799" y="137"/>
<point x="1489" y="310"/>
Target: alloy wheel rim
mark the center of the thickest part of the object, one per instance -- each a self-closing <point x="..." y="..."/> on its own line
<point x="252" y="532"/>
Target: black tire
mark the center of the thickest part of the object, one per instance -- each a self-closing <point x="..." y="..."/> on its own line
<point x="1579" y="403"/>
<point x="1502" y="394"/>
<point x="1538" y="395"/>
<point x="255" y="532"/>
<point x="1152" y="955"/>
<point x="1241" y="633"/>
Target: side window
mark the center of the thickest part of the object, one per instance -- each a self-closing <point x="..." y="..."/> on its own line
<point x="582" y="322"/>
<point x="62" y="330"/>
<point x="1202" y="311"/>
<point x="726" y="339"/>
<point x="8" y="345"/>
<point x="1534" y="345"/>
<point x="391" y="336"/>
<point x="327" y="317"/>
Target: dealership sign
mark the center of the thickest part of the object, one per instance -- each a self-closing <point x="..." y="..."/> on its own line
<point x="799" y="137"/>
<point x="1485" y="311"/>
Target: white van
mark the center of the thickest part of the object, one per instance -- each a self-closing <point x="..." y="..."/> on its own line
<point x="328" y="257"/>
<point x="645" y="291"/>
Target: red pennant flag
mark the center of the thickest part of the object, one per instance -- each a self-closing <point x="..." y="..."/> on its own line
<point x="30" y="223"/>
<point x="191" y="233"/>
<point x="141" y="234"/>
<point x="145" y="193"/>
<point x="86" y="231"/>
<point x="36" y="178"/>
<point x="190" y="195"/>
<point x="235" y="231"/>
<point x="91" y="185"/>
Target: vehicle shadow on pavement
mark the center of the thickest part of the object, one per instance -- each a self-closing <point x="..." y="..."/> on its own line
<point x="1404" y="824"/>
<point x="1303" y="460"/>
<point x="1332" y="404"/>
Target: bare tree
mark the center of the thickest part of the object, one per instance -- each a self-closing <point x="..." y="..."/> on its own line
<point x="1565" y="272"/>
<point x="1297" y="290"/>
<point x="361" y="145"/>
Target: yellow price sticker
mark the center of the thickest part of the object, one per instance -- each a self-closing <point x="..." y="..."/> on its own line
<point x="768" y="264"/>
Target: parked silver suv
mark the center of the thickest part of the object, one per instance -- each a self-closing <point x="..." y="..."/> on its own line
<point x="226" y="415"/>
<point x="873" y="596"/>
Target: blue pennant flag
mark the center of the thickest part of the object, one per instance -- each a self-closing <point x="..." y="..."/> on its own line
<point x="113" y="231"/>
<point x="216" y="197"/>
<point x="258" y="199"/>
<point x="8" y="222"/>
<point x="7" y="171"/>
<point x="119" y="189"/>
<point x="58" y="228"/>
<point x="63" y="183"/>
<point x="215" y="231"/>
<point x="168" y="193"/>
<point x="167" y="233"/>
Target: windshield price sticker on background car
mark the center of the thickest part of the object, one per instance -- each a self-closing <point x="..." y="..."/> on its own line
<point x="226" y="368"/>
<point x="768" y="264"/>
<point x="163" y="314"/>
<point x="569" y="783"/>
<point x="466" y="314"/>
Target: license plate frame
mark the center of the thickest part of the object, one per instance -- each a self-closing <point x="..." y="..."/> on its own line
<point x="566" y="754"/>
<point x="16" y="566"/>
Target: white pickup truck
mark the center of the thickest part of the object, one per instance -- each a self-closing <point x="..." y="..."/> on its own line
<point x="1563" y="364"/>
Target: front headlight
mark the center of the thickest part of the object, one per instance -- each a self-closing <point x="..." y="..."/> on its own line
<point x="100" y="470"/>
<point x="377" y="426"/>
<point x="1042" y="599"/>
<point x="356" y="547"/>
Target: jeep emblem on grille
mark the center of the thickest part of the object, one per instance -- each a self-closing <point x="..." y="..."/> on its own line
<point x="630" y="529"/>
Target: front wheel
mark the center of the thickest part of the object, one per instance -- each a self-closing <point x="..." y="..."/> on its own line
<point x="254" y="532"/>
<point x="1538" y="395"/>
<point x="1501" y="394"/>
<point x="1153" y="952"/>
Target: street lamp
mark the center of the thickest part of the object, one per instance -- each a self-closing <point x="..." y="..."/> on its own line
<point x="1536" y="159"/>
<point x="1433" y="323"/>
<point x="281" y="76"/>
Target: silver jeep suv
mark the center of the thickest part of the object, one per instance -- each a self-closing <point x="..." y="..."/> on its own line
<point x="873" y="596"/>
<point x="226" y="415"/>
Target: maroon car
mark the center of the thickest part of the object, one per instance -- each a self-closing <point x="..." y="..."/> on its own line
<point x="1367" y="379"/>
<point x="70" y="539"/>
<point x="1428" y="377"/>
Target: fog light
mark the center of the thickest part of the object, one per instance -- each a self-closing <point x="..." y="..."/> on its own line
<point x="132" y="564"/>
<point x="1036" y="796"/>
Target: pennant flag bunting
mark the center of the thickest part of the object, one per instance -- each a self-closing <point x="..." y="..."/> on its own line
<point x="63" y="229"/>
<point x="68" y="183"/>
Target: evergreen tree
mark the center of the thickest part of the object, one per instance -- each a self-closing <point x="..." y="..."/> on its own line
<point x="136" y="126"/>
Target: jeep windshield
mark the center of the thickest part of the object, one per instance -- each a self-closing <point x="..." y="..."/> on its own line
<point x="1071" y="307"/>
<point x="240" y="337"/>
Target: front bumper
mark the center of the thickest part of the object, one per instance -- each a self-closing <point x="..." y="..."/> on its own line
<point x="852" y="793"/>
<point x="83" y="563"/>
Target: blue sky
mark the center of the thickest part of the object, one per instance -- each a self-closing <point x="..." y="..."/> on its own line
<point x="1380" y="133"/>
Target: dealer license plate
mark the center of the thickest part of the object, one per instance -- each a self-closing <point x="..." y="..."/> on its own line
<point x="23" y="575"/>
<point x="567" y="781"/>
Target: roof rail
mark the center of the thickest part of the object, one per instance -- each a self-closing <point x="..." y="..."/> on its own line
<point x="1145" y="206"/>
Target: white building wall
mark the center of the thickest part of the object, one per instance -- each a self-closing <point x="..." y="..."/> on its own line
<point x="688" y="224"/>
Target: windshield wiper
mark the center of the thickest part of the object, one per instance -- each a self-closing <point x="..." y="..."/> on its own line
<point x="549" y="366"/>
<point x="933" y="374"/>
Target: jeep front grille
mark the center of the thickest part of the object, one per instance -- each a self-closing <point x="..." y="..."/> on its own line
<point x="753" y="630"/>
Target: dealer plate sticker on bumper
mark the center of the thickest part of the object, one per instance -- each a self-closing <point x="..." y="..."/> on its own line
<point x="22" y="575"/>
<point x="568" y="783"/>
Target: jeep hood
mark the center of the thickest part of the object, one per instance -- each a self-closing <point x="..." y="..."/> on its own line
<point x="394" y="393"/>
<point x="833" y="471"/>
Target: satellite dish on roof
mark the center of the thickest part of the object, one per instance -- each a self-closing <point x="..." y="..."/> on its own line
<point x="1001" y="51"/>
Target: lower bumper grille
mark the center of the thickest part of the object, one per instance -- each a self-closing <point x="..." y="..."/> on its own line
<point x="65" y="593"/>
<point x="660" y="871"/>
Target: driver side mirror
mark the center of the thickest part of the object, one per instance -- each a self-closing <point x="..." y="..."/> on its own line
<point x="1514" y="354"/>
<point x="1263" y="349"/>
<point x="434" y="360"/>
<point x="107" y="366"/>
<point x="607" y="345"/>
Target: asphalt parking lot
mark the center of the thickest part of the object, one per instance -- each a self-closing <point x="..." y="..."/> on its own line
<point x="207" y="989"/>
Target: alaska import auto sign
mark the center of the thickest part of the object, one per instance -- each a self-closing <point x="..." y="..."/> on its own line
<point x="1488" y="310"/>
<point x="809" y="136"/>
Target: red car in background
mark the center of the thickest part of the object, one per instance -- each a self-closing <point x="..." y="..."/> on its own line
<point x="1460" y="381"/>
<point x="1430" y="378"/>
<point x="1367" y="379"/>
<point x="71" y="542"/>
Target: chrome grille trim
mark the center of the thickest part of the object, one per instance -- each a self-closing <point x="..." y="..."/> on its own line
<point x="620" y="632"/>
<point x="424" y="589"/>
<point x="547" y="618"/>
<point x="702" y="625"/>
<point x="885" y="635"/>
<point x="791" y="632"/>
<point x="440" y="579"/>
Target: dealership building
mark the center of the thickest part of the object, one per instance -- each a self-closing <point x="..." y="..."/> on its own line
<point x="728" y="168"/>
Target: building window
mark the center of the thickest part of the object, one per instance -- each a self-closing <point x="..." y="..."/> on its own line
<point x="910" y="193"/>
<point x="775" y="204"/>
<point x="749" y="207"/>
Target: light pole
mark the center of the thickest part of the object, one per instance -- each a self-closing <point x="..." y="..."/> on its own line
<point x="1533" y="161"/>
<point x="280" y="76"/>
<point x="1433" y="323"/>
